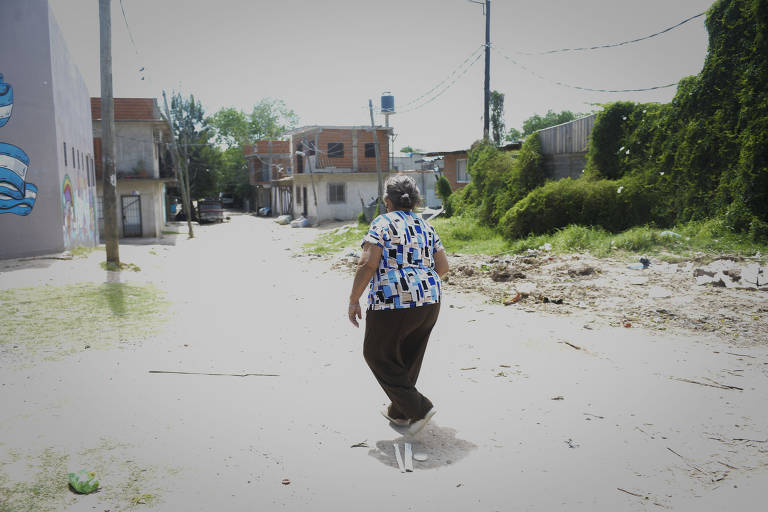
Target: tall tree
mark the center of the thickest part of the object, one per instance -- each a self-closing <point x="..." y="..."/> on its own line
<point x="195" y="136"/>
<point x="270" y="119"/>
<point x="537" y="122"/>
<point x="497" y="117"/>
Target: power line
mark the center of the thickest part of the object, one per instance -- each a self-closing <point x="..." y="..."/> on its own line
<point x="613" y="45"/>
<point x="130" y="35"/>
<point x="433" y="98"/>
<point x="563" y="84"/>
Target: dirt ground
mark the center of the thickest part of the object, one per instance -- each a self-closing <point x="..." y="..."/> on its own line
<point x="548" y="403"/>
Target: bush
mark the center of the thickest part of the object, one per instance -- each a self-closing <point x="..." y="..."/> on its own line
<point x="611" y="204"/>
<point x="443" y="187"/>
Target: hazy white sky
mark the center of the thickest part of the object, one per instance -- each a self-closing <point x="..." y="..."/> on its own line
<point x="326" y="58"/>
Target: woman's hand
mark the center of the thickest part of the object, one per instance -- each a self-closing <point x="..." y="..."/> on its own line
<point x="354" y="313"/>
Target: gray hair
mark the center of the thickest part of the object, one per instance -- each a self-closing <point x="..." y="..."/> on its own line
<point x="402" y="191"/>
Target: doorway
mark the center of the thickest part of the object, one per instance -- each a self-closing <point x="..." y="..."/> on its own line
<point x="131" y="210"/>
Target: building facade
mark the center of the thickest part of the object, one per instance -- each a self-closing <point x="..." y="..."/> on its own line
<point x="47" y="172"/>
<point x="269" y="169"/>
<point x="143" y="171"/>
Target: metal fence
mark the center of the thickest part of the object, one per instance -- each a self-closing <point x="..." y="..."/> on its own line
<point x="571" y="137"/>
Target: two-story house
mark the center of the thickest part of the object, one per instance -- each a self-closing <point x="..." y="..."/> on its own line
<point x="269" y="171"/>
<point x="143" y="173"/>
<point x="334" y="169"/>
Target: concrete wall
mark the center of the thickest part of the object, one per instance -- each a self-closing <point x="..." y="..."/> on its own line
<point x="449" y="170"/>
<point x="152" y="195"/>
<point x="48" y="110"/>
<point x="357" y="185"/>
<point x="354" y="158"/>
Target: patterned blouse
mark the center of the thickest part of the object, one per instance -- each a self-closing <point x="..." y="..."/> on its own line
<point x="406" y="276"/>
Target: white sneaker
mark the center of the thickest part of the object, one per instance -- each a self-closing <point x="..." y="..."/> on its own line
<point x="395" y="421"/>
<point x="416" y="426"/>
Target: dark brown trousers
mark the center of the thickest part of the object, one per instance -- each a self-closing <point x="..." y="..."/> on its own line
<point x="395" y="342"/>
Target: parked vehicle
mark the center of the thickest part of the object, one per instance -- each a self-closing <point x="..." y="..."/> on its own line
<point x="227" y="199"/>
<point x="209" y="210"/>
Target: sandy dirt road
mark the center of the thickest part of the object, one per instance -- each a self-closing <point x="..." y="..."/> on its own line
<point x="535" y="412"/>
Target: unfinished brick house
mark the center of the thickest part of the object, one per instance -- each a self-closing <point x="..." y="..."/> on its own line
<point x="141" y="135"/>
<point x="334" y="169"/>
<point x="455" y="165"/>
<point x="269" y="171"/>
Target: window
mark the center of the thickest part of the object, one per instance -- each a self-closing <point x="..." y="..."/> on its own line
<point x="65" y="155"/>
<point x="335" y="150"/>
<point x="461" y="171"/>
<point x="370" y="150"/>
<point x="298" y="195"/>
<point x="336" y="193"/>
<point x="74" y="162"/>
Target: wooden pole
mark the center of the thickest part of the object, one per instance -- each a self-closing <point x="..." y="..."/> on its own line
<point x="486" y="117"/>
<point x="109" y="185"/>
<point x="180" y="174"/>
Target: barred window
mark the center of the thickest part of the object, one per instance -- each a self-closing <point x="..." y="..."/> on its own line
<point x="461" y="171"/>
<point x="336" y="193"/>
<point x="335" y="150"/>
<point x="370" y="150"/>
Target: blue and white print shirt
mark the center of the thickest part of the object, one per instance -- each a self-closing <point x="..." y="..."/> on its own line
<point x="406" y="276"/>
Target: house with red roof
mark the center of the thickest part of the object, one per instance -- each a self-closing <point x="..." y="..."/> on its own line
<point x="142" y="163"/>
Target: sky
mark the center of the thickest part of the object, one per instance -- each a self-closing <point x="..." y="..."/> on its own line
<point x="326" y="59"/>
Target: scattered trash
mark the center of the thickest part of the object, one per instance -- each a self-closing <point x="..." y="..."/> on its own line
<point x="582" y="270"/>
<point x="546" y="247"/>
<point x="399" y="458"/>
<point x="512" y="300"/>
<point x="636" y="266"/>
<point x="627" y="325"/>
<point x="570" y="344"/>
<point x="587" y="326"/>
<point x="408" y="458"/>
<point x="421" y="457"/>
<point x="218" y="374"/>
<point x="571" y="444"/>
<point x="556" y="300"/>
<point x="361" y="444"/>
<point x="286" y="481"/>
<point x="469" y="368"/>
<point x="83" y="482"/>
<point x="594" y="416"/>
<point x="301" y="222"/>
<point x="557" y="398"/>
<point x="284" y="219"/>
<point x="712" y="384"/>
<point x="669" y="233"/>
<point x="730" y="274"/>
<point x="645" y="261"/>
<point x="657" y="292"/>
<point x="459" y="485"/>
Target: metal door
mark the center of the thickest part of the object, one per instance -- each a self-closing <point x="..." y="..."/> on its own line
<point x="304" y="201"/>
<point x="131" y="210"/>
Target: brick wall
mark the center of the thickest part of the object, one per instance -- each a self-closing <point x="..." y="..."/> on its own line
<point x="449" y="170"/>
<point x="347" y="138"/>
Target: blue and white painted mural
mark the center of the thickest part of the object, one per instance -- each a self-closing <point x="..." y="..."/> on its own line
<point x="16" y="195"/>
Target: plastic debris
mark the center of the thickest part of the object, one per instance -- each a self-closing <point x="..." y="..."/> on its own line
<point x="512" y="300"/>
<point x="301" y="222"/>
<point x="286" y="481"/>
<point x="670" y="233"/>
<point x="84" y="482"/>
<point x="284" y="219"/>
<point x="421" y="457"/>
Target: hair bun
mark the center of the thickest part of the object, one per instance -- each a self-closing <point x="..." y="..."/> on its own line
<point x="405" y="196"/>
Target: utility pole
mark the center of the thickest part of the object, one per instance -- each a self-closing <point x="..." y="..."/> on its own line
<point x="377" y="154"/>
<point x="309" y="168"/>
<point x="486" y="118"/>
<point x="175" y="156"/>
<point x="185" y="159"/>
<point x="109" y="204"/>
<point x="487" y="85"/>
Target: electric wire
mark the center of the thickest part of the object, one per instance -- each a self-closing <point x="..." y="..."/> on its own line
<point x="130" y="36"/>
<point x="581" y="88"/>
<point x="451" y="84"/>
<point x="614" y="45"/>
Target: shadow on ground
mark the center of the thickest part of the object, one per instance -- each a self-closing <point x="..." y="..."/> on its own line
<point x="439" y="444"/>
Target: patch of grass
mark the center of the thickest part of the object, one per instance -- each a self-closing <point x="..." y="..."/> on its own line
<point x="59" y="320"/>
<point x="336" y="240"/>
<point x="83" y="251"/>
<point x="112" y="267"/>
<point x="37" y="481"/>
<point x="171" y="232"/>
<point x="463" y="234"/>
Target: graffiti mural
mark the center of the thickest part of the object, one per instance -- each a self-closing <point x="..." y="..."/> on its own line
<point x="78" y="210"/>
<point x="16" y="195"/>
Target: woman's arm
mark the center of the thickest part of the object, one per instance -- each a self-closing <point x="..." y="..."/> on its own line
<point x="366" y="267"/>
<point x="441" y="263"/>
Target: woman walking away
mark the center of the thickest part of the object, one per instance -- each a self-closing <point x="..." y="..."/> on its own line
<point x="403" y="260"/>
